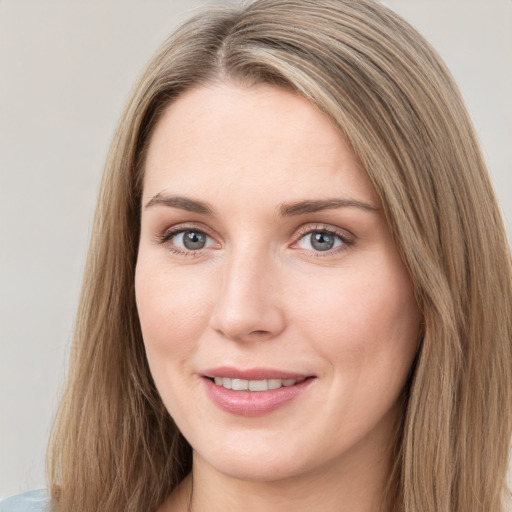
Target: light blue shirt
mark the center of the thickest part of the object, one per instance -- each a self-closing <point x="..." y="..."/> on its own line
<point x="31" y="501"/>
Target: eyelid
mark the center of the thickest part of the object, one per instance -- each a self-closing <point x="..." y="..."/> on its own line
<point x="320" y="226"/>
<point x="165" y="236"/>
<point x="346" y="237"/>
<point x="169" y="231"/>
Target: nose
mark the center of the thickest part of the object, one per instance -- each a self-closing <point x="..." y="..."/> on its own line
<point x="248" y="305"/>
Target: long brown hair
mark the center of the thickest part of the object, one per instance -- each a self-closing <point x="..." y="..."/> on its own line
<point x="114" y="446"/>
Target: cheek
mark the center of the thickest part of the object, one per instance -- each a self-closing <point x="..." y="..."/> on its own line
<point x="173" y="312"/>
<point x="173" y="309"/>
<point x="363" y="319"/>
<point x="366" y="329"/>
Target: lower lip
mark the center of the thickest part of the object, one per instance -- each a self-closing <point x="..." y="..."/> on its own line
<point x="253" y="403"/>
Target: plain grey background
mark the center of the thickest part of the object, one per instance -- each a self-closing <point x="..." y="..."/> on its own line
<point x="66" y="69"/>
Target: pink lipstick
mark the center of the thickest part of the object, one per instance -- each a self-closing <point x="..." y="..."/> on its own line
<point x="253" y="392"/>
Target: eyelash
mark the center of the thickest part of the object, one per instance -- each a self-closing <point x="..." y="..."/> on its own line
<point x="346" y="240"/>
<point x="170" y="233"/>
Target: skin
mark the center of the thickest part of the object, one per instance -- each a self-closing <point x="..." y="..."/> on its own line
<point x="259" y="294"/>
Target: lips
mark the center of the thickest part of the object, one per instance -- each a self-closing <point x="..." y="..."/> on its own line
<point x="253" y="392"/>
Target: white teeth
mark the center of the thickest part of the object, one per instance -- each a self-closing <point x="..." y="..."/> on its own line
<point x="274" y="383"/>
<point x="239" y="384"/>
<point x="254" y="385"/>
<point x="258" y="385"/>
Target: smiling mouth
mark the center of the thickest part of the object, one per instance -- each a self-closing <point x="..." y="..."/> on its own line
<point x="254" y="385"/>
<point x="253" y="395"/>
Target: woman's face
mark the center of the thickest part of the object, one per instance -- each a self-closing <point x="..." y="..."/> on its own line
<point x="265" y="262"/>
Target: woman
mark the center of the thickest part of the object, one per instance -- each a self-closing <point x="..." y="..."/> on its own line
<point x="298" y="289"/>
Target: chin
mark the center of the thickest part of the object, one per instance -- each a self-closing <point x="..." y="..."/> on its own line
<point x="262" y="464"/>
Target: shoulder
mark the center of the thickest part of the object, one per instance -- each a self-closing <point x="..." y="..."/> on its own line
<point x="32" y="501"/>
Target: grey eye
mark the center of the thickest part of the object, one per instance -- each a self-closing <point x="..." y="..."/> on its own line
<point x="322" y="241"/>
<point x="193" y="240"/>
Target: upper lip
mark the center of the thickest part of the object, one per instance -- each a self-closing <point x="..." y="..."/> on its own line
<point x="253" y="373"/>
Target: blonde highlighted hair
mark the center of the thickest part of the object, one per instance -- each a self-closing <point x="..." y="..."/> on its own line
<point x="114" y="446"/>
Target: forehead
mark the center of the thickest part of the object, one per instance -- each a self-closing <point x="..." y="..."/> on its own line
<point x="240" y="139"/>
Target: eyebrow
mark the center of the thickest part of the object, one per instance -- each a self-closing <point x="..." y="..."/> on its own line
<point x="301" y="207"/>
<point x="285" y="209"/>
<point x="183" y="203"/>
